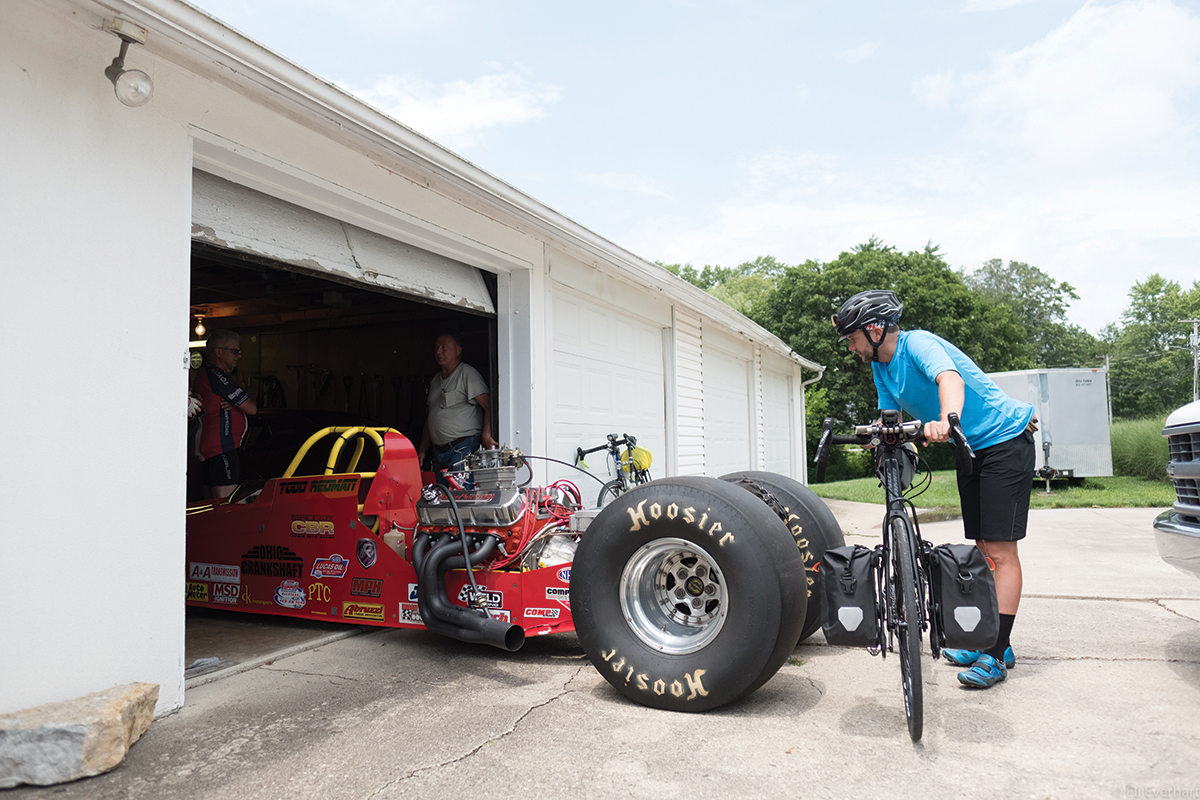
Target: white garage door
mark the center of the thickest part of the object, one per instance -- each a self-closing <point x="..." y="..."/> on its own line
<point x="726" y="412"/>
<point x="606" y="377"/>
<point x="777" y="422"/>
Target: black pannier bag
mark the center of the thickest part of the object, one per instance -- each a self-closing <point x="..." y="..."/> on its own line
<point x="964" y="597"/>
<point x="847" y="579"/>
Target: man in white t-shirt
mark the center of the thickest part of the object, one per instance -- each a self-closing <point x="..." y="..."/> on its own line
<point x="460" y="412"/>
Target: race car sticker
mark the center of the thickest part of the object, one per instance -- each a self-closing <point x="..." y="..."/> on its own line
<point x="220" y="573"/>
<point x="225" y="593"/>
<point x="367" y="553"/>
<point x="197" y="592"/>
<point x="334" y="485"/>
<point x="293" y="487"/>
<point x="355" y="610"/>
<point x="318" y="592"/>
<point x="559" y="593"/>
<point x="272" y="561"/>
<point x="502" y="614"/>
<point x="564" y="574"/>
<point x="309" y="526"/>
<point x="467" y="595"/>
<point x="409" y="612"/>
<point x="366" y="587"/>
<point x="332" y="567"/>
<point x="412" y="593"/>
<point x="542" y="613"/>
<point x="290" y="595"/>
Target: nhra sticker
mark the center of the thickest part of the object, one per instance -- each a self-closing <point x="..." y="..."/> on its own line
<point x="409" y="612"/>
<point x="198" y="592"/>
<point x="220" y="573"/>
<point x="371" y="611"/>
<point x="332" y="567"/>
<point x="290" y="595"/>
<point x="542" y="613"/>
<point x="366" y="587"/>
<point x="225" y="593"/>
<point x="272" y="561"/>
<point x="467" y="595"/>
<point x="564" y="574"/>
<point x="312" y="527"/>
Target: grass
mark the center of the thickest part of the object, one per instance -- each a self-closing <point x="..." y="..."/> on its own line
<point x="1116" y="492"/>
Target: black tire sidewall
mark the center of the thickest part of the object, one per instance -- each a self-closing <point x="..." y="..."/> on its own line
<point x="752" y="566"/>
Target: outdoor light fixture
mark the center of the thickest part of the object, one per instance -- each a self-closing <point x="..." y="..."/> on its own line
<point x="132" y="86"/>
<point x="200" y="329"/>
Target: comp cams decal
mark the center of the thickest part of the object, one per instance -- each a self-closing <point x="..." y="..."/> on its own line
<point x="542" y="613"/>
<point x="692" y="685"/>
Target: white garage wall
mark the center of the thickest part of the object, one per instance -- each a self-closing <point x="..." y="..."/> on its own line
<point x="728" y="404"/>
<point x="95" y="200"/>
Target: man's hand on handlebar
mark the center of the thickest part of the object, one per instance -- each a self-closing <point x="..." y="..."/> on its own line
<point x="937" y="431"/>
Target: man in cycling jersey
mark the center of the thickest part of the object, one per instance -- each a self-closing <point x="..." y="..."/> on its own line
<point x="929" y="378"/>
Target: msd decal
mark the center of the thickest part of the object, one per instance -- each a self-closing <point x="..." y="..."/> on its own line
<point x="225" y="593"/>
<point x="542" y="613"/>
<point x="332" y="567"/>
<point x="219" y="573"/>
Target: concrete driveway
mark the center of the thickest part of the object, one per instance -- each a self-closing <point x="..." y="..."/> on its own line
<point x="1104" y="702"/>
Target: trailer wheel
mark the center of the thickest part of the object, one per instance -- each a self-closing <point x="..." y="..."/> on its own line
<point x="810" y="522"/>
<point x="687" y="593"/>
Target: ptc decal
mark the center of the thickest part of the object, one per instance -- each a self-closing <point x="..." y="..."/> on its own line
<point x="332" y="567"/>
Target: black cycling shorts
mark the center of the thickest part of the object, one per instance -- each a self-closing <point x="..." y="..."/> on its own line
<point x="994" y="490"/>
<point x="223" y="470"/>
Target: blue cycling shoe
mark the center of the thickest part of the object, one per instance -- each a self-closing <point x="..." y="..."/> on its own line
<point x="965" y="658"/>
<point x="985" y="673"/>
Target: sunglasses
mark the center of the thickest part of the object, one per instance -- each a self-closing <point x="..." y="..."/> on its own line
<point x="235" y="350"/>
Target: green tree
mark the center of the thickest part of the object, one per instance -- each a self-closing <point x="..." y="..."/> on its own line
<point x="1040" y="304"/>
<point x="745" y="287"/>
<point x="1151" y="358"/>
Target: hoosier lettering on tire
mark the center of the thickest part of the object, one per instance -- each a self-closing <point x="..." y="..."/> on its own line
<point x="687" y="593"/>
<point x="808" y="519"/>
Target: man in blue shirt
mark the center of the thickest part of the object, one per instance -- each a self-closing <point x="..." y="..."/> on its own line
<point x="929" y="378"/>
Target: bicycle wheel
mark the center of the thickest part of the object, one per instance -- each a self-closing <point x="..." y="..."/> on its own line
<point x="909" y="626"/>
<point x="610" y="491"/>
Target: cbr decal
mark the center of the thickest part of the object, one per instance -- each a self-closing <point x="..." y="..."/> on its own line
<point x="312" y="527"/>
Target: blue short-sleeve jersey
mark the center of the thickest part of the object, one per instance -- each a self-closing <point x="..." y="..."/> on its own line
<point x="909" y="382"/>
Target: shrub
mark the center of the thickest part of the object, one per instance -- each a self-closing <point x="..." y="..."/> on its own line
<point x="1139" y="449"/>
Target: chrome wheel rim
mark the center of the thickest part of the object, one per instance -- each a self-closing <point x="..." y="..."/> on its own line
<point x="673" y="596"/>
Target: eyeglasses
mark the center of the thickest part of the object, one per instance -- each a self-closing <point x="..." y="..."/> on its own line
<point x="235" y="350"/>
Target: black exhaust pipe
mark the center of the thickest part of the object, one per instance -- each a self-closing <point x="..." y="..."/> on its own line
<point x="443" y="617"/>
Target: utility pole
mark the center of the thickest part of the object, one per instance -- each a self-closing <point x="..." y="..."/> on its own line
<point x="1195" y="343"/>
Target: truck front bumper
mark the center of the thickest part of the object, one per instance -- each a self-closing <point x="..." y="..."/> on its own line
<point x="1178" y="540"/>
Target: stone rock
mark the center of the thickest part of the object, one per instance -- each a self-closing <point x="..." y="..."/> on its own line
<point x="89" y="735"/>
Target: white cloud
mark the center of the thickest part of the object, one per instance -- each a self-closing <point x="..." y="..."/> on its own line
<point x="993" y="5"/>
<point x="459" y="113"/>
<point x="624" y="182"/>
<point x="860" y="53"/>
<point x="935" y="91"/>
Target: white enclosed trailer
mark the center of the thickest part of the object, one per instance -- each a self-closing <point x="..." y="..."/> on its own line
<point x="1072" y="413"/>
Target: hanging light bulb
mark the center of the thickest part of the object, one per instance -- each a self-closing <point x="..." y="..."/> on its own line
<point x="200" y="329"/>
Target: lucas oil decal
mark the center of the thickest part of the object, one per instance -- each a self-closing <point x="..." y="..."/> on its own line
<point x="332" y="567"/>
<point x="290" y="595"/>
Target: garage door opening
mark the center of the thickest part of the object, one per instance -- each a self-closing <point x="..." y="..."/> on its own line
<point x="317" y="352"/>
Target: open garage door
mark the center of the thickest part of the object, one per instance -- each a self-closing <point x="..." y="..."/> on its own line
<point x="607" y="377"/>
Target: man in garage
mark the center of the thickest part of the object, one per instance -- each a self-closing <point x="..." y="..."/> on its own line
<point x="223" y="421"/>
<point x="926" y="376"/>
<point x="460" y="411"/>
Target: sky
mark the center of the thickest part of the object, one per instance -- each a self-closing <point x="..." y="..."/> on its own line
<point x="1059" y="133"/>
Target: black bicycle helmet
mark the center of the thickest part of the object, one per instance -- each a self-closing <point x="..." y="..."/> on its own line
<point x="874" y="305"/>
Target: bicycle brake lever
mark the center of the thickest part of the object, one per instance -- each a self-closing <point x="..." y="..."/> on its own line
<point x="960" y="438"/>
<point x="822" y="457"/>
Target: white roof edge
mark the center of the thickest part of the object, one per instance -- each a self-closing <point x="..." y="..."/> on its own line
<point x="200" y="32"/>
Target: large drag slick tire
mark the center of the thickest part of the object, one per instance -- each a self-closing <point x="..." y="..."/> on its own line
<point x="687" y="593"/>
<point x="808" y="519"/>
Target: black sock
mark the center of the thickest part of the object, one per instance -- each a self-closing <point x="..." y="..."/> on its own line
<point x="1003" y="640"/>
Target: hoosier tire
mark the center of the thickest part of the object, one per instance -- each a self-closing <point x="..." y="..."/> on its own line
<point x="810" y="522"/>
<point x="687" y="593"/>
